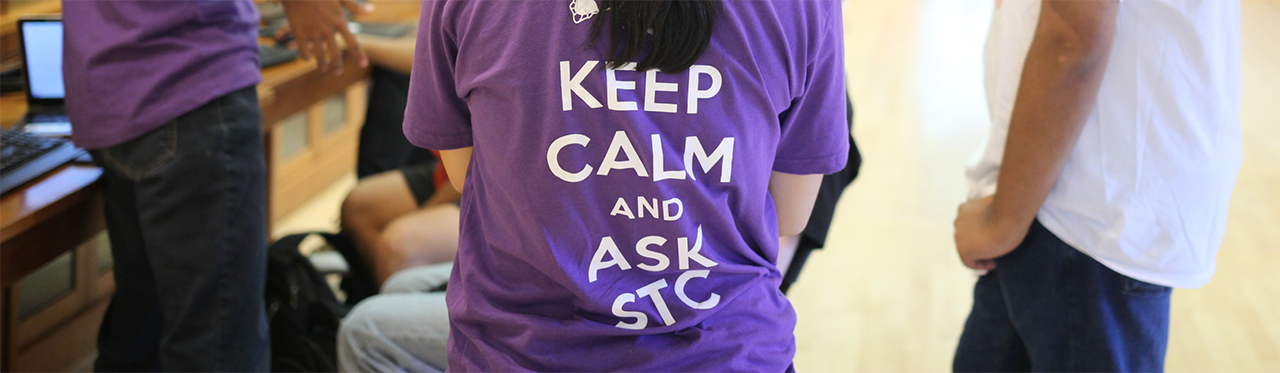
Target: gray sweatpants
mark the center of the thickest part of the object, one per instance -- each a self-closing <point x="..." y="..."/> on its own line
<point x="403" y="329"/>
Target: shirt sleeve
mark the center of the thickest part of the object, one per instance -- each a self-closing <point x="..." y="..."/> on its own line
<point x="437" y="116"/>
<point x="814" y="135"/>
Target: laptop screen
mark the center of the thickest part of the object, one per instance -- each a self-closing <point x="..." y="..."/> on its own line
<point x="42" y="46"/>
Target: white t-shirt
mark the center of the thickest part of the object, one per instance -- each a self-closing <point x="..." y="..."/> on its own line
<point x="1145" y="190"/>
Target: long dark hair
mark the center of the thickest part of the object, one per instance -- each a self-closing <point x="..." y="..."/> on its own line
<point x="667" y="35"/>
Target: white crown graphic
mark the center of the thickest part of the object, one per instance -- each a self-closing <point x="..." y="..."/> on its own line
<point x="582" y="10"/>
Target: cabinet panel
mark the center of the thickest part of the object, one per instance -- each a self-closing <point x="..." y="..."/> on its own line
<point x="71" y="347"/>
<point x="4" y="329"/>
<point x="97" y="269"/>
<point x="52" y="315"/>
<point x="45" y="285"/>
<point x="333" y="125"/>
<point x="334" y="110"/>
<point x="292" y="136"/>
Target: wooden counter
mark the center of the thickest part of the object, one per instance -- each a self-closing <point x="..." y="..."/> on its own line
<point x="58" y="215"/>
<point x="68" y="198"/>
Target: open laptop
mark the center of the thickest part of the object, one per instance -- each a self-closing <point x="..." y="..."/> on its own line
<point x="33" y="146"/>
<point x="41" y="43"/>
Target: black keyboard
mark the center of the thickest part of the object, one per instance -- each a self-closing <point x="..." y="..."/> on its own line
<point x="270" y="56"/>
<point x="24" y="156"/>
<point x="48" y="118"/>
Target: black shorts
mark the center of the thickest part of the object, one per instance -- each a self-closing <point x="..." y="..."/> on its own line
<point x="421" y="180"/>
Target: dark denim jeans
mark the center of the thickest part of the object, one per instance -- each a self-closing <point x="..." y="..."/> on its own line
<point x="186" y="212"/>
<point x="1049" y="307"/>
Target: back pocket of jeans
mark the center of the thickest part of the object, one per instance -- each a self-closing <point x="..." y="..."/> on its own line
<point x="142" y="156"/>
<point x="1144" y="289"/>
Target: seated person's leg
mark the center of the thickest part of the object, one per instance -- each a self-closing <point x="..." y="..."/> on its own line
<point x="401" y="219"/>
<point x="427" y="236"/>
<point x="372" y="205"/>
<point x="404" y="329"/>
<point x="395" y="332"/>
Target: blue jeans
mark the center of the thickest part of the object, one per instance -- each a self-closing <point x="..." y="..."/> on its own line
<point x="1049" y="307"/>
<point x="186" y="211"/>
<point x="404" y="329"/>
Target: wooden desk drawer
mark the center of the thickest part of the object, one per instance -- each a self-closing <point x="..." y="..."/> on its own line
<point x="90" y="286"/>
<point x="311" y="149"/>
<point x="60" y="333"/>
<point x="69" y="348"/>
<point x="4" y="331"/>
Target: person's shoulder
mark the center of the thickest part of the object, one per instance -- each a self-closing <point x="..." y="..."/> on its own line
<point x="453" y="10"/>
<point x="811" y="8"/>
<point x="804" y="16"/>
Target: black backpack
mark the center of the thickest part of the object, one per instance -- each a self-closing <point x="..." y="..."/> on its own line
<point x="302" y="311"/>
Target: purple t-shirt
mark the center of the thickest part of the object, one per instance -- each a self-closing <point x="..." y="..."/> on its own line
<point x="131" y="66"/>
<point x="620" y="220"/>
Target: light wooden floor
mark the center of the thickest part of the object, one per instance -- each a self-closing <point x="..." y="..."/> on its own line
<point x="889" y="295"/>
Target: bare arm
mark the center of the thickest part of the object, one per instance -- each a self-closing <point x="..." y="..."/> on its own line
<point x="456" y="162"/>
<point x="395" y="54"/>
<point x="444" y="194"/>
<point x="793" y="197"/>
<point x="1058" y="90"/>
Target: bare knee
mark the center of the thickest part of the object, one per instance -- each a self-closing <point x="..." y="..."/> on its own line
<point x="412" y="244"/>
<point x="398" y="242"/>
<point x="357" y="208"/>
<point x="387" y="255"/>
<point x="392" y="240"/>
<point x="376" y="200"/>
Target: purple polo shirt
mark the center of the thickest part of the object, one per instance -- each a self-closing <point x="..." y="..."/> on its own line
<point x="133" y="66"/>
<point x="615" y="219"/>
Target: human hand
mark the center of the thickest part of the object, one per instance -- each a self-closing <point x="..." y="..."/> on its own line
<point x="314" y="23"/>
<point x="982" y="236"/>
